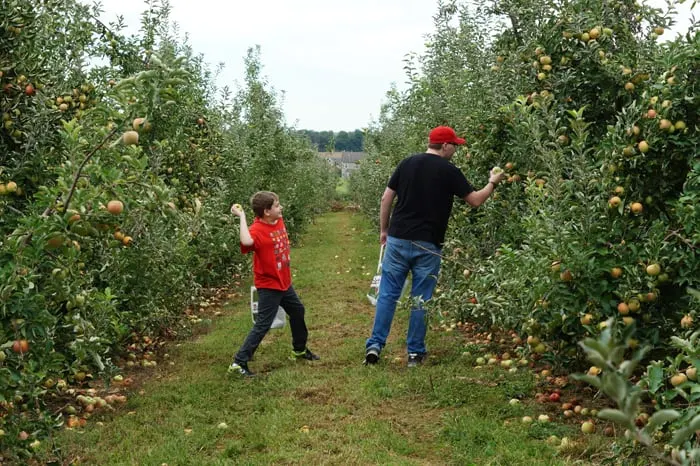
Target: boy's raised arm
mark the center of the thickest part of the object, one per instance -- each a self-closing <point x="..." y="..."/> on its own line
<point x="246" y="239"/>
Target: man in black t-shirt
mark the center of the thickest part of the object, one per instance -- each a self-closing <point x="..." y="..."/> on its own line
<point x="425" y="185"/>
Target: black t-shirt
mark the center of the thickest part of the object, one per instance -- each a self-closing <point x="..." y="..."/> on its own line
<point x="426" y="185"/>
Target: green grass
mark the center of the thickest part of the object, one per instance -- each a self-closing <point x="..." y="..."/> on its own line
<point x="444" y="412"/>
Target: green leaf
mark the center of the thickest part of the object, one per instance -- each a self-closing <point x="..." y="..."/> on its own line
<point x="655" y="377"/>
<point x="617" y="416"/>
<point x="661" y="417"/>
<point x="614" y="386"/>
<point x="589" y="379"/>
<point x="681" y="436"/>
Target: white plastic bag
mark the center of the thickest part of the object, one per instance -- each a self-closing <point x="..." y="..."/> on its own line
<point x="376" y="280"/>
<point x="281" y="317"/>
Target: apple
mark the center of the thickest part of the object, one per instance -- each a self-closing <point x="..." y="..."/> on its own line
<point x="115" y="207"/>
<point x="651" y="113"/>
<point x="514" y="402"/>
<point x="616" y="272"/>
<point x="587" y="319"/>
<point x="692" y="373"/>
<point x="526" y="419"/>
<point x="633" y="305"/>
<point x="623" y="308"/>
<point x="20" y="346"/>
<point x="566" y="276"/>
<point x="629" y="87"/>
<point x="594" y="370"/>
<point x="466" y="273"/>
<point x="636" y="207"/>
<point x="29" y="90"/>
<point x="594" y="33"/>
<point x="543" y="418"/>
<point x="545" y="60"/>
<point x="130" y="138"/>
<point x="643" y="147"/>
<point x="653" y="269"/>
<point x="554" y="397"/>
<point x="665" y="124"/>
<point x="687" y="321"/>
<point x="480" y="361"/>
<point x="588" y="427"/>
<point x="680" y="125"/>
<point x="679" y="379"/>
<point x="614" y="201"/>
<point x="658" y="30"/>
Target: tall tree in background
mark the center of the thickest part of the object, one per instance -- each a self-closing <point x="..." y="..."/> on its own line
<point x="341" y="141"/>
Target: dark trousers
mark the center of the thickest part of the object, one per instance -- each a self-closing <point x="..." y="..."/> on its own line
<point x="268" y="302"/>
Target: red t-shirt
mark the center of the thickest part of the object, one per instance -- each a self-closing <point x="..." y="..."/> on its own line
<point x="271" y="255"/>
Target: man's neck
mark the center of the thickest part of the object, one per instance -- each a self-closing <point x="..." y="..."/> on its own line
<point x="437" y="152"/>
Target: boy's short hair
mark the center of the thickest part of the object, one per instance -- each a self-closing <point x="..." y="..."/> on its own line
<point x="262" y="200"/>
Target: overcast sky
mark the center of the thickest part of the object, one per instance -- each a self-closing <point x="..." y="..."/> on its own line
<point x="334" y="59"/>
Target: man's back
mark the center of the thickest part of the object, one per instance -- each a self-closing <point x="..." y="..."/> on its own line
<point x="426" y="185"/>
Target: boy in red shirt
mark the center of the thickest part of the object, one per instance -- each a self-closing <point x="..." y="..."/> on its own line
<point x="267" y="238"/>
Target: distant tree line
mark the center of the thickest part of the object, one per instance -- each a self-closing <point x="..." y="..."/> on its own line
<point x="341" y="141"/>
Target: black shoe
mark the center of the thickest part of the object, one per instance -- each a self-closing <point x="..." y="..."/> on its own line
<point x="306" y="354"/>
<point x="415" y="359"/>
<point x="371" y="356"/>
<point x="240" y="368"/>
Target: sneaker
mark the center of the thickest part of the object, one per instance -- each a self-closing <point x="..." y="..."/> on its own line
<point x="240" y="368"/>
<point x="415" y="359"/>
<point x="306" y="354"/>
<point x="371" y="356"/>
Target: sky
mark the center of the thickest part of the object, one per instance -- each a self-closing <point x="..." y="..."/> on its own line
<point x="333" y="59"/>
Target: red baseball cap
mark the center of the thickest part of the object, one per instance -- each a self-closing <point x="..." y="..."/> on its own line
<point x="443" y="134"/>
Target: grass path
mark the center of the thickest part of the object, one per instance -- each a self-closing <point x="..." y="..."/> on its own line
<point x="334" y="411"/>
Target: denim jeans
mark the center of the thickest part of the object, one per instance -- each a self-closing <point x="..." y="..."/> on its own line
<point x="422" y="259"/>
<point x="268" y="303"/>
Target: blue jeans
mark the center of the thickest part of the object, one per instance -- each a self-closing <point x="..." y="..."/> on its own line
<point x="422" y="259"/>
